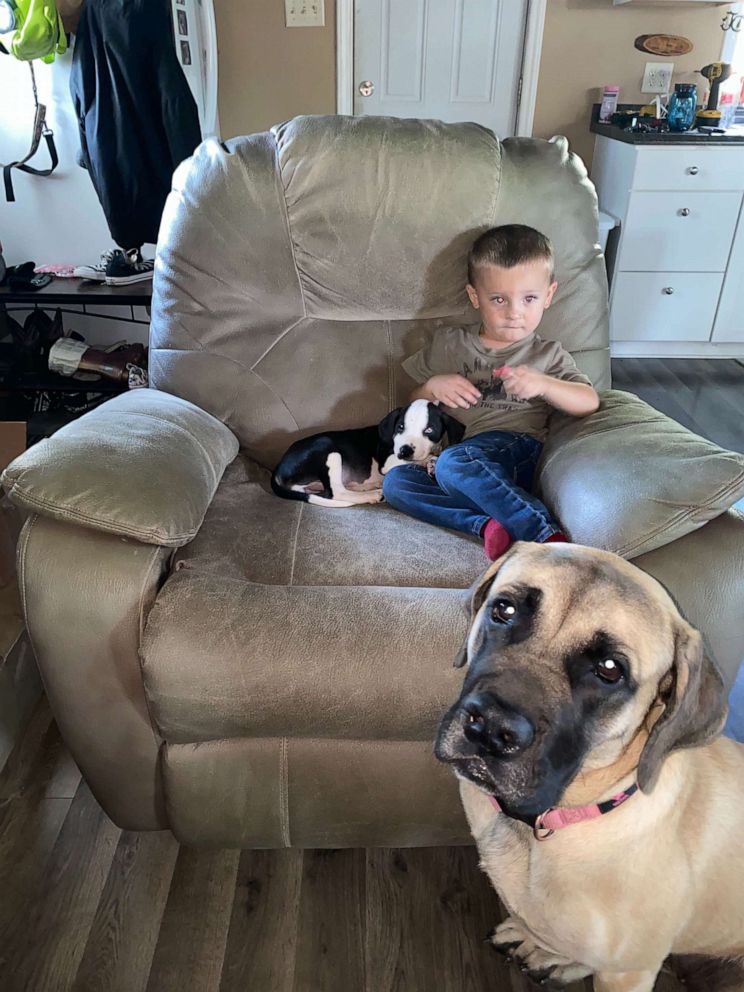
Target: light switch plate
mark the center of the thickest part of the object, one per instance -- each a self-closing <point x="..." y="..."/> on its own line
<point x="657" y="77"/>
<point x="304" y="13"/>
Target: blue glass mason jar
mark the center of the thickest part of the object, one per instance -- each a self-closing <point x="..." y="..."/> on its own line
<point x="682" y="107"/>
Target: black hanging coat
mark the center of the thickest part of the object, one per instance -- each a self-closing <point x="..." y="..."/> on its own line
<point x="138" y="118"/>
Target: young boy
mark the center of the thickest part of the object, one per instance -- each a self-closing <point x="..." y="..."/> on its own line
<point x="501" y="381"/>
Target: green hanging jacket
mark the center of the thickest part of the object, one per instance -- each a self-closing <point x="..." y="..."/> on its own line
<point x="39" y="30"/>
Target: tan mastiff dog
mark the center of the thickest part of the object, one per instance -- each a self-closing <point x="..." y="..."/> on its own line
<point x="607" y="816"/>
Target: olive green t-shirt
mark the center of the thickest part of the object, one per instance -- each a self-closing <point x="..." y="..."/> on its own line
<point x="459" y="349"/>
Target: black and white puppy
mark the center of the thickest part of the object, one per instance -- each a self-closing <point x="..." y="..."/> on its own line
<point x="345" y="468"/>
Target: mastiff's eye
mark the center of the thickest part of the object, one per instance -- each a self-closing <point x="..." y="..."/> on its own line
<point x="428" y="430"/>
<point x="503" y="610"/>
<point x="609" y="670"/>
<point x="400" y="428"/>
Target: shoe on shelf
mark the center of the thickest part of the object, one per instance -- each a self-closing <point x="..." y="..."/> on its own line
<point x="128" y="267"/>
<point x="97" y="271"/>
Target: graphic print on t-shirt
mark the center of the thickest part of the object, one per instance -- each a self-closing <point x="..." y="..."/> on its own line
<point x="491" y="388"/>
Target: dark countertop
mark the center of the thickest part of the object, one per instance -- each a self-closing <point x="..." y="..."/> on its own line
<point x="661" y="138"/>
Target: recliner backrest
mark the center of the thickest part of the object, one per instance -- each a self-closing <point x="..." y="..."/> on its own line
<point x="297" y="268"/>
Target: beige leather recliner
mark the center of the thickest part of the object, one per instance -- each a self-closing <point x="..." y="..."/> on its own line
<point x="253" y="672"/>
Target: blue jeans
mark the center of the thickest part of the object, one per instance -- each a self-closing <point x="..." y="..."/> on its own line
<point x="487" y="476"/>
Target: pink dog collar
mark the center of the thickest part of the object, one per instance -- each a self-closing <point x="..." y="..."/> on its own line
<point x="547" y="823"/>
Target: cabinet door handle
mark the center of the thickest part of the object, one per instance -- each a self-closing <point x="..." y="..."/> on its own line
<point x="668" y="290"/>
<point x="684" y="212"/>
<point x="693" y="170"/>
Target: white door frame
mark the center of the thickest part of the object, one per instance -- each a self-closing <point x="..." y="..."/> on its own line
<point x="527" y="94"/>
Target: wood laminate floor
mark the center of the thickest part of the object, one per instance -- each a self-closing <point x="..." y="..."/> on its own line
<point x="86" y="907"/>
<point x="706" y="395"/>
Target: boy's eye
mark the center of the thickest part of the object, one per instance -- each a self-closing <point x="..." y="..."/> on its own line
<point x="531" y="299"/>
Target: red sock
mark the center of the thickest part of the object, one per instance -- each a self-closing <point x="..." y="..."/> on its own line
<point x="496" y="539"/>
<point x="557" y="537"/>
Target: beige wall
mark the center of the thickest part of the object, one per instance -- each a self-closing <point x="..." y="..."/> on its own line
<point x="588" y="43"/>
<point x="268" y="72"/>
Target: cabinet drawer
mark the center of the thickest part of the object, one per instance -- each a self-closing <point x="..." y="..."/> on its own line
<point x="686" y="232"/>
<point x="643" y="310"/>
<point x="690" y="167"/>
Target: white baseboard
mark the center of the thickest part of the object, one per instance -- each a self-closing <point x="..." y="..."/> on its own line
<point x="675" y="349"/>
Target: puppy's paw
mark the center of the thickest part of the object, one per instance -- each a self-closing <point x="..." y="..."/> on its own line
<point x="431" y="465"/>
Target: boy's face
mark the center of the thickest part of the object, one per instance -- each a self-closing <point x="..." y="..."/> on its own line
<point x="511" y="301"/>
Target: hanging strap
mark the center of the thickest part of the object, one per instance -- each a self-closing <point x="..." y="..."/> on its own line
<point x="40" y="131"/>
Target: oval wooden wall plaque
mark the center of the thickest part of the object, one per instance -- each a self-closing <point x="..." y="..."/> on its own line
<point x="663" y="44"/>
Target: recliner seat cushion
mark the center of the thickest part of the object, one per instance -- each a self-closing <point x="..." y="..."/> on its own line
<point x="283" y="618"/>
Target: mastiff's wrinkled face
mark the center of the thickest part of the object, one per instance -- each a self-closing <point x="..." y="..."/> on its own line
<point x="571" y="654"/>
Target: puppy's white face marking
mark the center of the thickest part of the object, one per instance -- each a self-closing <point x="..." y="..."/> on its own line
<point x="415" y="423"/>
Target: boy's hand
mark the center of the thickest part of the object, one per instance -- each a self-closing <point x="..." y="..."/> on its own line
<point x="453" y="390"/>
<point x="522" y="381"/>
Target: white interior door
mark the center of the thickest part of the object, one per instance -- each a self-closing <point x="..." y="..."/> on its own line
<point x="455" y="60"/>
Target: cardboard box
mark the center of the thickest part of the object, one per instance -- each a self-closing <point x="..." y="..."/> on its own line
<point x="12" y="441"/>
<point x="20" y="683"/>
<point x="12" y="444"/>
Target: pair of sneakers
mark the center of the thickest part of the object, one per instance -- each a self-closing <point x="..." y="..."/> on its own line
<point x="118" y="268"/>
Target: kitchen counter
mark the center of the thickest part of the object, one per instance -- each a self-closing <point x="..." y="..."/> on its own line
<point x="734" y="135"/>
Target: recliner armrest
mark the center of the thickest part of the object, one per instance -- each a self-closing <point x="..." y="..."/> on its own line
<point x="629" y="479"/>
<point x="144" y="465"/>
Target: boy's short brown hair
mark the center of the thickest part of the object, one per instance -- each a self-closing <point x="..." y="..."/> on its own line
<point x="507" y="246"/>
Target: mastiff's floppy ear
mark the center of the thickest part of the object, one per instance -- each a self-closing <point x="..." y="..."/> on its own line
<point x="695" y="705"/>
<point x="455" y="430"/>
<point x="474" y="599"/>
<point x="386" y="428"/>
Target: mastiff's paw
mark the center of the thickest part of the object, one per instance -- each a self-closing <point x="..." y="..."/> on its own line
<point x="431" y="465"/>
<point x="544" y="967"/>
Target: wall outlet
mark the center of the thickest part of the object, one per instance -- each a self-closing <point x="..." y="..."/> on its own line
<point x="304" y="13"/>
<point x="657" y="77"/>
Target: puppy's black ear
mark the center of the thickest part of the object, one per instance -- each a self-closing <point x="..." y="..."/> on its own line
<point x="388" y="424"/>
<point x="694" y="710"/>
<point x="475" y="597"/>
<point x="455" y="430"/>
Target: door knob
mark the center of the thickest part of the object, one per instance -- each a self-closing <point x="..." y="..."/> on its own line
<point x="684" y="212"/>
<point x="668" y="290"/>
<point x="366" y="87"/>
<point x="693" y="170"/>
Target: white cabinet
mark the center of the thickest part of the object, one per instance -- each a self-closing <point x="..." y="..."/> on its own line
<point x="677" y="267"/>
<point x="678" y="232"/>
<point x="729" y="326"/>
<point x="664" y="306"/>
<point x="687" y="167"/>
